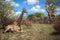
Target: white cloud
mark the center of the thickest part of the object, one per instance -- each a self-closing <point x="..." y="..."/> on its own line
<point x="34" y="9"/>
<point x="37" y="9"/>
<point x="14" y="4"/>
<point x="32" y="1"/>
<point x="7" y="0"/>
<point x="17" y="13"/>
<point x="42" y="10"/>
<point x="38" y="6"/>
<point x="57" y="9"/>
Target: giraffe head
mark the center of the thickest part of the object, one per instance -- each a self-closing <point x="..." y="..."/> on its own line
<point x="24" y="10"/>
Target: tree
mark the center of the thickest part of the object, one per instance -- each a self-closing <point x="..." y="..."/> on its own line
<point x="30" y="15"/>
<point x="38" y="14"/>
<point x="53" y="2"/>
<point x="5" y="9"/>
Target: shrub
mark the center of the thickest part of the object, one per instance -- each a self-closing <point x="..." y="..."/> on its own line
<point x="37" y="14"/>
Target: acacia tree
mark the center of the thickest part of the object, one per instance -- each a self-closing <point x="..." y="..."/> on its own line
<point x="53" y="2"/>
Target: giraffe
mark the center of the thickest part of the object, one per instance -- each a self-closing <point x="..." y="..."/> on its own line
<point x="12" y="27"/>
<point x="51" y="13"/>
<point x="19" y="20"/>
<point x="16" y="24"/>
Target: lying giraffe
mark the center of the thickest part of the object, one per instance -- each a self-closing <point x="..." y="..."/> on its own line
<point x="15" y="25"/>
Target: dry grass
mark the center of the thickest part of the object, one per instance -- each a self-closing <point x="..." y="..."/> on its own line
<point x="36" y="32"/>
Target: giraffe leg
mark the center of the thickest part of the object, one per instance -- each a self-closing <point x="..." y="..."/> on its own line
<point x="6" y="29"/>
<point x="20" y="28"/>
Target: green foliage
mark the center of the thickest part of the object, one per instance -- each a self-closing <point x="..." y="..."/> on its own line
<point x="30" y="15"/>
<point x="37" y="14"/>
<point x="5" y="9"/>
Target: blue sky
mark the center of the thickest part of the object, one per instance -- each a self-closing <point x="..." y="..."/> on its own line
<point x="31" y="6"/>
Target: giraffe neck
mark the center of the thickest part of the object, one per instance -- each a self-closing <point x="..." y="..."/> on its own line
<point x="20" y="18"/>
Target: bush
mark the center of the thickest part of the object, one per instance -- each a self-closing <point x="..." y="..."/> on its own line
<point x="37" y="14"/>
<point x="30" y="15"/>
